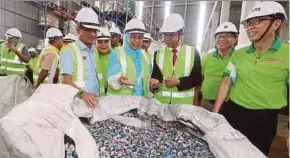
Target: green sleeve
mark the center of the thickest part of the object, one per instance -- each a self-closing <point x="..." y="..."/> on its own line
<point x="203" y="61"/>
<point x="230" y="67"/>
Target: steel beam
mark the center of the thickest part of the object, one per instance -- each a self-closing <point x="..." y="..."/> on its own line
<point x="179" y="4"/>
<point x="225" y="11"/>
<point x="246" y="7"/>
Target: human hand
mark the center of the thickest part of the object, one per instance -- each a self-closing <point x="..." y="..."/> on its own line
<point x="171" y="82"/>
<point x="90" y="99"/>
<point x="124" y="81"/>
<point x="154" y="83"/>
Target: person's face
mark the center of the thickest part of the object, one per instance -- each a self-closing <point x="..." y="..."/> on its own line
<point x="87" y="35"/>
<point x="146" y="44"/>
<point x="103" y="46"/>
<point x="115" y="39"/>
<point x="58" y="42"/>
<point x="136" y="40"/>
<point x="171" y="39"/>
<point x="225" y="40"/>
<point x="66" y="43"/>
<point x="255" y="27"/>
<point x="13" y="39"/>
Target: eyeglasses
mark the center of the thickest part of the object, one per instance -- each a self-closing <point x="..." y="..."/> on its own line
<point x="254" y="21"/>
<point x="170" y="34"/>
<point x="223" y="36"/>
<point x="103" y="41"/>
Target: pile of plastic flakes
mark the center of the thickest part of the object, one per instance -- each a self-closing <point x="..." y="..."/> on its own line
<point x="161" y="139"/>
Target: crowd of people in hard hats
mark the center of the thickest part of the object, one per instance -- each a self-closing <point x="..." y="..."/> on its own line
<point x="247" y="85"/>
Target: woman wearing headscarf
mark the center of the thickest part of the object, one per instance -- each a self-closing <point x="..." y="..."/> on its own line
<point x="129" y="67"/>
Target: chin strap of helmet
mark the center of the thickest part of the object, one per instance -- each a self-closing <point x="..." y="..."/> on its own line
<point x="180" y="38"/>
<point x="266" y="31"/>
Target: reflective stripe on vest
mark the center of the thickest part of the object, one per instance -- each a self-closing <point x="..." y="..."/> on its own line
<point x="177" y="94"/>
<point x="128" y="65"/>
<point x="9" y="61"/>
<point x="52" y="72"/>
<point x="183" y="67"/>
<point x="123" y="61"/>
<point x="187" y="63"/>
<point x="80" y="66"/>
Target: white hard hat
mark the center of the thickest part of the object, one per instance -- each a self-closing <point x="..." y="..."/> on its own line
<point x="53" y="32"/>
<point x="266" y="8"/>
<point x="226" y="27"/>
<point x="104" y="34"/>
<point x="70" y="37"/>
<point x="147" y="37"/>
<point x="88" y="18"/>
<point x="39" y="48"/>
<point x="115" y="30"/>
<point x="13" y="32"/>
<point x="172" y="23"/>
<point x="31" y="49"/>
<point x="135" y="26"/>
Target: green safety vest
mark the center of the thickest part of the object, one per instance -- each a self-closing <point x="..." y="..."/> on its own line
<point x="10" y="62"/>
<point x="128" y="70"/>
<point x="49" y="78"/>
<point x="32" y="64"/>
<point x="183" y="66"/>
<point x="101" y="78"/>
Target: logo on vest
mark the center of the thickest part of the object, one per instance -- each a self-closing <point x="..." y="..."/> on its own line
<point x="274" y="60"/>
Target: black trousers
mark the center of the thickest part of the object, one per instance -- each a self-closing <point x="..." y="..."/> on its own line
<point x="29" y="75"/>
<point x="259" y="126"/>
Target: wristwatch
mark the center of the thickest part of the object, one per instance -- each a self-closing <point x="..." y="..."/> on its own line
<point x="80" y="94"/>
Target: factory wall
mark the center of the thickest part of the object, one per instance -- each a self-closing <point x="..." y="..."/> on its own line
<point x="21" y="15"/>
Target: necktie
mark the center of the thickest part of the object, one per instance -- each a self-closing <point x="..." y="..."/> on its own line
<point x="174" y="57"/>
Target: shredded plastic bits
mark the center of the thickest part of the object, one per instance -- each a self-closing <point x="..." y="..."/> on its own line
<point x="161" y="139"/>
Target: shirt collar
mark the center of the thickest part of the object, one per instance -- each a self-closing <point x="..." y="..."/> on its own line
<point x="216" y="54"/>
<point x="52" y="46"/>
<point x="178" y="48"/>
<point x="275" y="46"/>
<point x="83" y="46"/>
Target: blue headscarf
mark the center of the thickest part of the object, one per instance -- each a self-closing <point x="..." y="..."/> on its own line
<point x="136" y="56"/>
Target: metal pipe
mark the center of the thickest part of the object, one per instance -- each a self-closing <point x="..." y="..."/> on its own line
<point x="225" y="11"/>
<point x="45" y="12"/>
<point x="185" y="11"/>
<point x="152" y="14"/>
<point x="181" y="4"/>
<point x="211" y="15"/>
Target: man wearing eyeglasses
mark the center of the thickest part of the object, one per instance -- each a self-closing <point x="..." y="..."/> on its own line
<point x="256" y="77"/>
<point x="176" y="69"/>
<point x="214" y="63"/>
<point x="102" y="57"/>
<point x="78" y="58"/>
<point x="49" y="58"/>
<point x="115" y="37"/>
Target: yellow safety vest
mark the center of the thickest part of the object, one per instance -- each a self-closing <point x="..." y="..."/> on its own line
<point x="128" y="70"/>
<point x="183" y="67"/>
<point x="50" y="77"/>
<point x="10" y="62"/>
